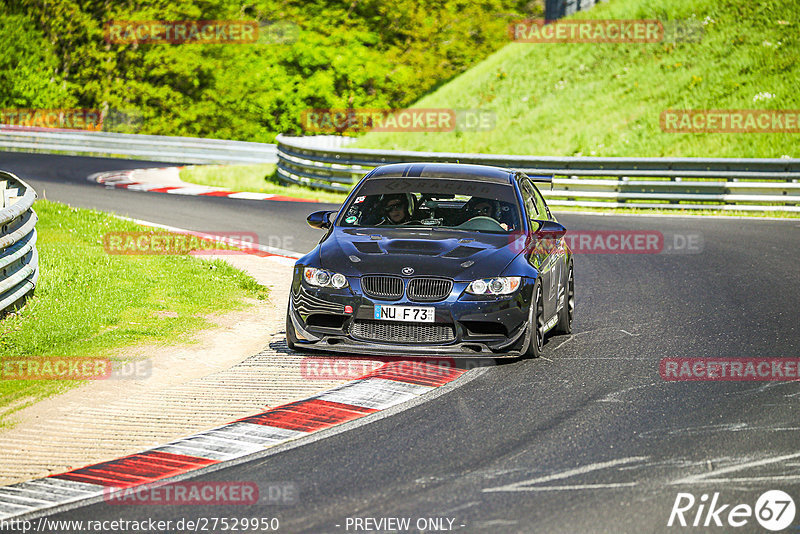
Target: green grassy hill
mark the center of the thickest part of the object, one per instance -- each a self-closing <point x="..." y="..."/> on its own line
<point x="599" y="99"/>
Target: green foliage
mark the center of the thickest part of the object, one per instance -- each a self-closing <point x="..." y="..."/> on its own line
<point x="27" y="66"/>
<point x="364" y="53"/>
<point x="602" y="99"/>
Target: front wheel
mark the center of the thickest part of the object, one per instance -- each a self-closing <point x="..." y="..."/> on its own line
<point x="536" y="323"/>
<point x="564" y="325"/>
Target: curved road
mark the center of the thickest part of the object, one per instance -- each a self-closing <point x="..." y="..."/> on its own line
<point x="590" y="439"/>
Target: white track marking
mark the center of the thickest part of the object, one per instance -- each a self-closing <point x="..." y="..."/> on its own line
<point x="722" y="427"/>
<point x="528" y="485"/>
<point x="581" y="487"/>
<point x="462" y="507"/>
<point x="712" y="477"/>
<point x="592" y="358"/>
<point x="759" y="389"/>
<point x="139" y="187"/>
<point x="562" y="343"/>
<point x="250" y="196"/>
<point x="614" y="397"/>
<point x="191" y="191"/>
<point x="497" y="523"/>
<point x="374" y="393"/>
<point x="50" y="491"/>
<point x="211" y="447"/>
<point x="254" y="433"/>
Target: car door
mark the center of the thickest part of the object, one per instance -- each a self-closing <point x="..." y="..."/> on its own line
<point x="554" y="258"/>
<point x="540" y="252"/>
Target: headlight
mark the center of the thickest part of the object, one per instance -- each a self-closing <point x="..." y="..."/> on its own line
<point x="503" y="285"/>
<point x="323" y="278"/>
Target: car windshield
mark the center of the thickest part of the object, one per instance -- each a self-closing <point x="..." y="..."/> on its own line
<point x="441" y="203"/>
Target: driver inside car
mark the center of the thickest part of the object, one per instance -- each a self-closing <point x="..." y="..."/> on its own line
<point x="395" y="209"/>
<point x="484" y="208"/>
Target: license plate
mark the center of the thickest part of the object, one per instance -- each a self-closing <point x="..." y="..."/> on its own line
<point x="414" y="314"/>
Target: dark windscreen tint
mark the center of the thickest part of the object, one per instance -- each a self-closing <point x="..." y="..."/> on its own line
<point x="422" y="202"/>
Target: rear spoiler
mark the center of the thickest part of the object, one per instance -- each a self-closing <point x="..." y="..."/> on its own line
<point x="538" y="178"/>
<point x="542" y="178"/>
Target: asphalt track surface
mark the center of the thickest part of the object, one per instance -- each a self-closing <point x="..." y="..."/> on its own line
<point x="588" y="439"/>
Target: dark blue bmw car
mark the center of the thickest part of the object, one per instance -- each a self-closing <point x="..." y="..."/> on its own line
<point x="431" y="259"/>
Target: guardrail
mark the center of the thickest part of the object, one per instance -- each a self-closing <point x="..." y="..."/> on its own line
<point x="665" y="183"/>
<point x="19" y="261"/>
<point x="135" y="146"/>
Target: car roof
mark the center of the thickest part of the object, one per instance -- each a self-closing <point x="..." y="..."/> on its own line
<point x="454" y="171"/>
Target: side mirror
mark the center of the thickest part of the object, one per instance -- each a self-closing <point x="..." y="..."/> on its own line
<point x="320" y="219"/>
<point x="549" y="230"/>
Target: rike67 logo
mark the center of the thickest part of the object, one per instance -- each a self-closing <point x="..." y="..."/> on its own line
<point x="774" y="510"/>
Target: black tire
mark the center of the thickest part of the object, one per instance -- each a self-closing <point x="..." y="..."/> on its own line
<point x="291" y="337"/>
<point x="536" y="323"/>
<point x="564" y="325"/>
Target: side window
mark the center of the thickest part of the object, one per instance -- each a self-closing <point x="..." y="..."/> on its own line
<point x="530" y="201"/>
<point x="541" y="207"/>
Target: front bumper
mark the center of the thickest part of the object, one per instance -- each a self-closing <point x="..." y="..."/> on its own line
<point x="495" y="327"/>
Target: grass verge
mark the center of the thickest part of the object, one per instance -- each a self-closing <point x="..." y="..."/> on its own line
<point x="255" y="178"/>
<point x="88" y="303"/>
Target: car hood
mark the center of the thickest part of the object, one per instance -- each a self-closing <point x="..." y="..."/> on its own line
<point x="430" y="252"/>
